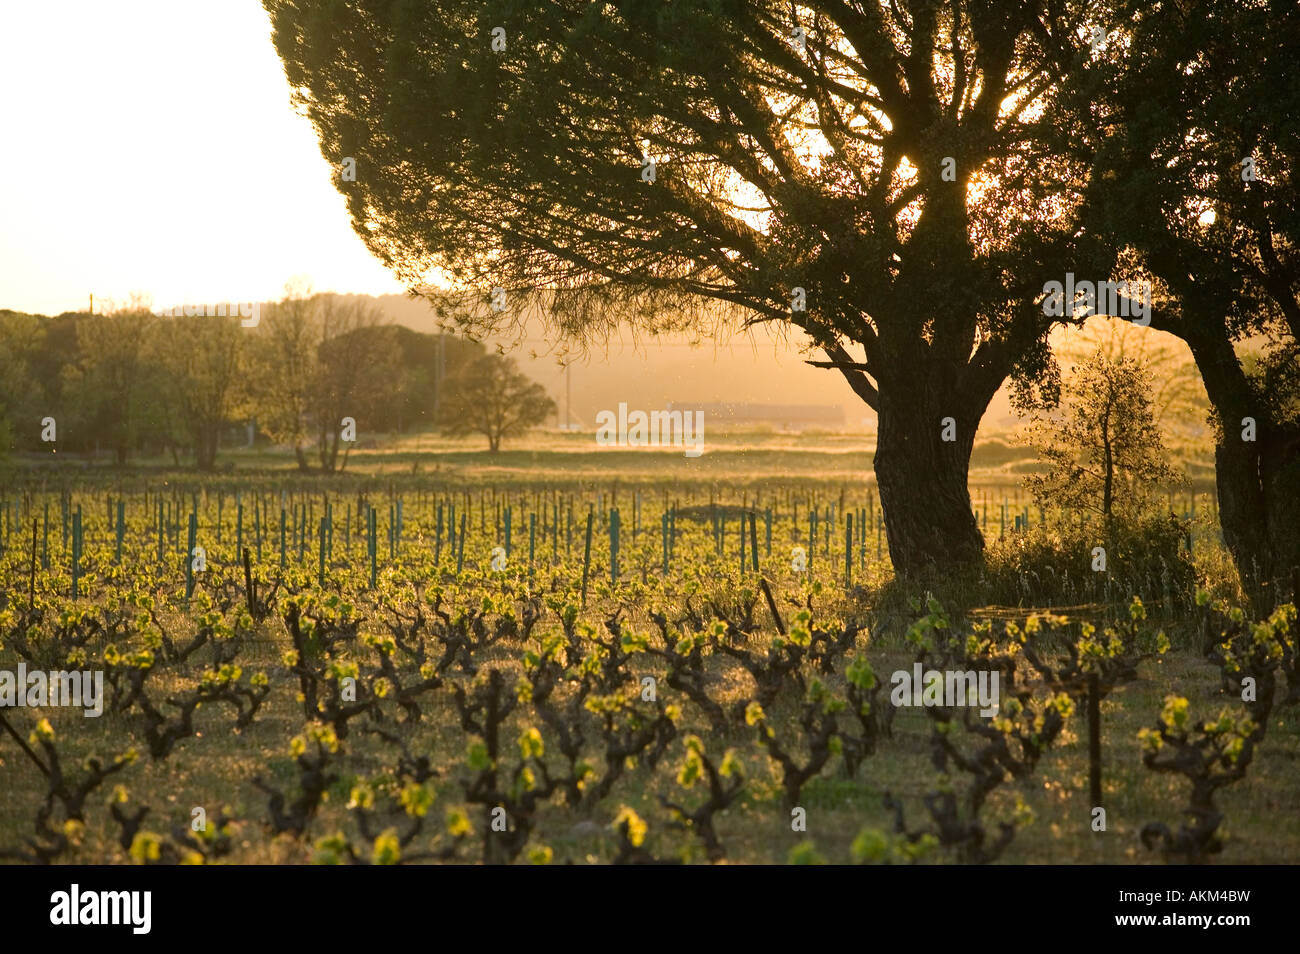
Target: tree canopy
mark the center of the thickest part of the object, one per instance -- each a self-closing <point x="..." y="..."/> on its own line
<point x="1196" y="176"/>
<point x="888" y="178"/>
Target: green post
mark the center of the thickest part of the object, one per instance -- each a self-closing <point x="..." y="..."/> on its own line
<point x="664" y="521"/>
<point x="191" y="540"/>
<point x="460" y="546"/>
<point x="586" y="559"/>
<point x="374" y="549"/>
<point x="740" y="540"/>
<point x="613" y="545"/>
<point x="451" y="528"/>
<point x="76" y="552"/>
<point x="121" y="529"/>
<point x="848" y="550"/>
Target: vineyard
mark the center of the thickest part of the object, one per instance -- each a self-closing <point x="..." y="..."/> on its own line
<point x="558" y="672"/>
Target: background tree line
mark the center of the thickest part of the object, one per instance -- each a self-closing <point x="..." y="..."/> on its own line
<point x="129" y="382"/>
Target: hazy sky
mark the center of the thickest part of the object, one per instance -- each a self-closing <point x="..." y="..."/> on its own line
<point x="149" y="145"/>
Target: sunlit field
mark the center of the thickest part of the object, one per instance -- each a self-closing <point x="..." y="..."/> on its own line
<point x="423" y="647"/>
<point x="862" y="432"/>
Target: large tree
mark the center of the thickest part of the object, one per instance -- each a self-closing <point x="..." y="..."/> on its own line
<point x="877" y="173"/>
<point x="1198" y="175"/>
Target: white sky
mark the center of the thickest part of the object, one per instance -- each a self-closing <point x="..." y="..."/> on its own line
<point x="149" y="146"/>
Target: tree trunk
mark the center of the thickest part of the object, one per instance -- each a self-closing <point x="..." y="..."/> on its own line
<point x="924" y="496"/>
<point x="334" y="450"/>
<point x="205" y="449"/>
<point x="301" y="454"/>
<point x="1259" y="508"/>
<point x="1280" y="472"/>
<point x="1108" y="461"/>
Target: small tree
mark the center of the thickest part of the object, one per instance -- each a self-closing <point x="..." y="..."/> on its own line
<point x="284" y="368"/>
<point x="1105" y="452"/>
<point x="493" y="398"/>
